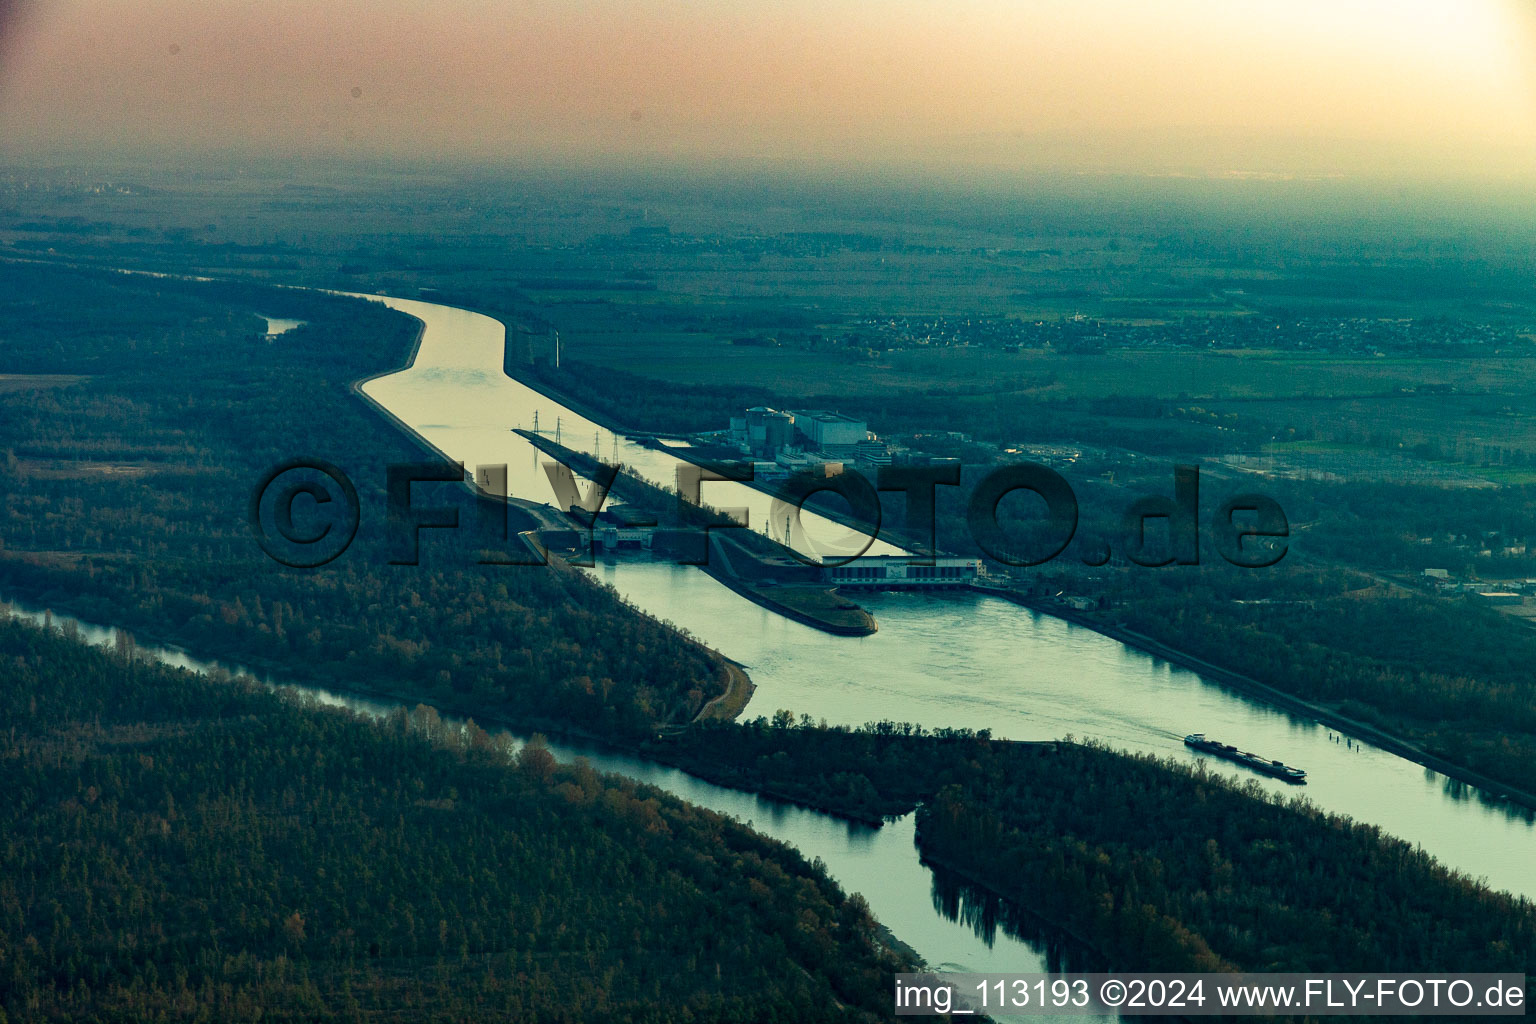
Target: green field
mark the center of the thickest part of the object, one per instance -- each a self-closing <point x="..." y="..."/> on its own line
<point x="704" y="358"/>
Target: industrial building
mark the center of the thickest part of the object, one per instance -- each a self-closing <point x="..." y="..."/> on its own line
<point x="873" y="452"/>
<point x="792" y="441"/>
<point x="763" y="431"/>
<point x="898" y="572"/>
<point x="618" y="526"/>
<point x="832" y="432"/>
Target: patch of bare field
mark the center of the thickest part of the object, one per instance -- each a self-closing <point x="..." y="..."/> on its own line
<point x="12" y="382"/>
<point x="69" y="469"/>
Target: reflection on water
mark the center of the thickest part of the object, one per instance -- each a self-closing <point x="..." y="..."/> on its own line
<point x="457" y="397"/>
<point x="961" y="659"/>
<point x="987" y="916"/>
<point x="882" y="863"/>
<point x="277" y="325"/>
<point x="943" y="659"/>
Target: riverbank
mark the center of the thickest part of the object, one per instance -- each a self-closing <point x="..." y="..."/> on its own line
<point x="759" y="576"/>
<point x="356" y="387"/>
<point x="729" y="705"/>
<point x="1376" y="735"/>
<point x="532" y="383"/>
<point x="1251" y="687"/>
<point x="726" y="707"/>
<point x="273" y="672"/>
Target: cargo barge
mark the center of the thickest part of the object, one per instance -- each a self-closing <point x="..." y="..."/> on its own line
<point x="1278" y="769"/>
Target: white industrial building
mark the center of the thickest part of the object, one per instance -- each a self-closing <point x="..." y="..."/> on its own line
<point x="832" y="432"/>
<point x="896" y="571"/>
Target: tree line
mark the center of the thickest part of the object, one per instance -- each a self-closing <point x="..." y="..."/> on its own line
<point x="123" y="499"/>
<point x="182" y="848"/>
<point x="1151" y="864"/>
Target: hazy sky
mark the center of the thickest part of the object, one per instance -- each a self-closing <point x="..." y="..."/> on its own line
<point x="1202" y="87"/>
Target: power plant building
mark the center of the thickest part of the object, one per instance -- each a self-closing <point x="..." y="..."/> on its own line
<point x="764" y="431"/>
<point x="832" y="432"/>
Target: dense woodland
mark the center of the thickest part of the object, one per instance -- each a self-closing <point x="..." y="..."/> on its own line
<point x="1452" y="676"/>
<point x="1167" y="869"/>
<point x="1443" y="673"/>
<point x="1151" y="864"/>
<point x="374" y="868"/>
<point x="124" y="500"/>
<point x="178" y="848"/>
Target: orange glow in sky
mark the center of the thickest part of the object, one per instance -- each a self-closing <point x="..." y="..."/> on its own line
<point x="1205" y="87"/>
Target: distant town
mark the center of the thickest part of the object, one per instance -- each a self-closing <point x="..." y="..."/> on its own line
<point x="1223" y="329"/>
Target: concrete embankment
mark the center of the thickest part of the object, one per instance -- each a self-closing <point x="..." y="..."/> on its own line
<point x="819" y="607"/>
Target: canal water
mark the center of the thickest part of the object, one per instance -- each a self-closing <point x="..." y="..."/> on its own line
<point x="948" y="923"/>
<point x="952" y="659"/>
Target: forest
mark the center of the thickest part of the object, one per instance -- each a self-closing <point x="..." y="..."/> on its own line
<point x="1444" y="674"/>
<point x="1149" y="863"/>
<point x="124" y="493"/>
<point x="226" y="848"/>
<point x="178" y="847"/>
<point x="1450" y="676"/>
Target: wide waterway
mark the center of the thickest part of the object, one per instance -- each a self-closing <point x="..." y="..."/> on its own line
<point x="946" y="922"/>
<point x="951" y="659"/>
<point x="954" y="659"/>
<point x="940" y="660"/>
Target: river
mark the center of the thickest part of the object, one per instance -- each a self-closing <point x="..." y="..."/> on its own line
<point x="457" y="397"/>
<point x="949" y="924"/>
<point x="953" y="659"/>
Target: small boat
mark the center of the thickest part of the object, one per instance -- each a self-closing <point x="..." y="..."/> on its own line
<point x="1278" y="769"/>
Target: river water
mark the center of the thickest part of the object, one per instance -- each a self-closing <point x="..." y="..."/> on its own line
<point x="456" y="396"/>
<point x="952" y="659"/>
<point x="946" y="922"/>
